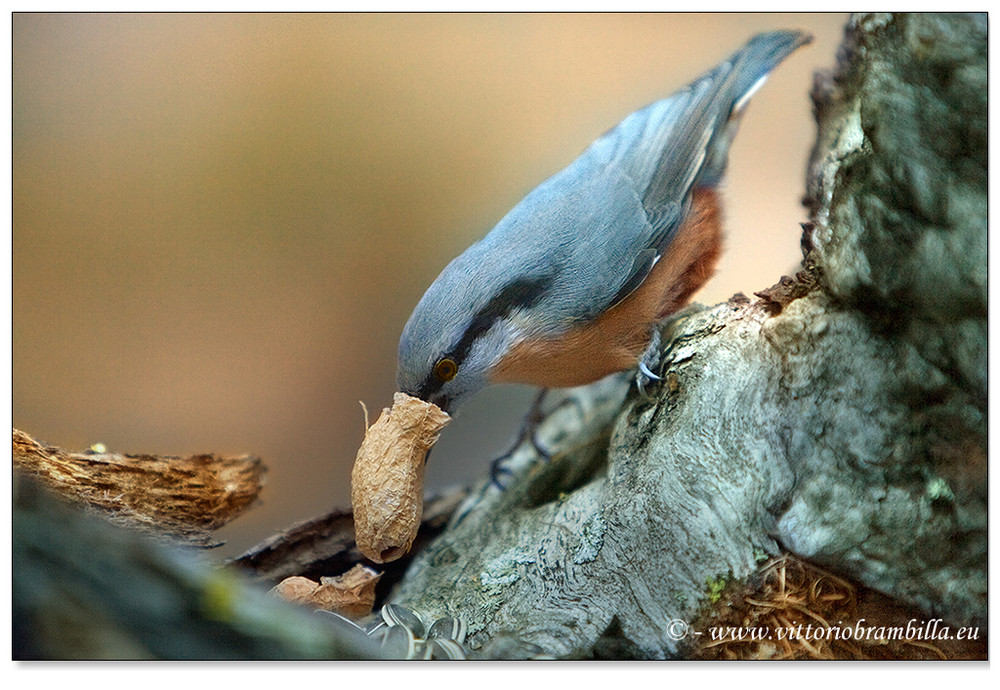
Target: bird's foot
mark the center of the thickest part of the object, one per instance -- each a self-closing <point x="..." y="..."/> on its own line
<point x="529" y="431"/>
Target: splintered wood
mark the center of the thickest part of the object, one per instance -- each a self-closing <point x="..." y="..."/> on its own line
<point x="387" y="482"/>
<point x="181" y="496"/>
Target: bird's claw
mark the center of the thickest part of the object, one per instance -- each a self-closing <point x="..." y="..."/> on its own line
<point x="498" y="468"/>
<point x="650" y="360"/>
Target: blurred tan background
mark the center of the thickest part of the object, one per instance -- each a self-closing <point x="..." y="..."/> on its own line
<point x="221" y="222"/>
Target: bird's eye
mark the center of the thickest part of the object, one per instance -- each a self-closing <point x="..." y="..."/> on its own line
<point x="445" y="370"/>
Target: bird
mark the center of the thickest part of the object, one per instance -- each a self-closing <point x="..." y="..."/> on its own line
<point x="568" y="287"/>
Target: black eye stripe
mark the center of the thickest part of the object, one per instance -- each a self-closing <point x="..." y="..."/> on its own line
<point x="517" y="294"/>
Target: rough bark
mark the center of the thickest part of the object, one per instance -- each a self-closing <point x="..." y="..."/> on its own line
<point x="842" y="416"/>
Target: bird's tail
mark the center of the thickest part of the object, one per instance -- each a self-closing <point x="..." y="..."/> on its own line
<point x="683" y="141"/>
<point x="748" y="68"/>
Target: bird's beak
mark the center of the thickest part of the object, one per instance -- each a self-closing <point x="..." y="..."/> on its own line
<point x="442" y="401"/>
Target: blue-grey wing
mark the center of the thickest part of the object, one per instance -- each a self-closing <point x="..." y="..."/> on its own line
<point x="657" y="156"/>
<point x="591" y="233"/>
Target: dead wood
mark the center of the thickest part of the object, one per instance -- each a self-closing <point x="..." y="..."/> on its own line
<point x="179" y="496"/>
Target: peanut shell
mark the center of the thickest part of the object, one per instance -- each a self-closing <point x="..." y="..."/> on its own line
<point x="387" y="483"/>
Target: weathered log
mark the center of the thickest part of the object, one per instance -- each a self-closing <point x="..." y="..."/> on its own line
<point x="842" y="416"/>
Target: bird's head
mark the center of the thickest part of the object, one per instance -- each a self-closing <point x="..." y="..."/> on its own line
<point x="465" y="323"/>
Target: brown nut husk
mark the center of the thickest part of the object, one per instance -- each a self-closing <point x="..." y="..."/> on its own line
<point x="351" y="594"/>
<point x="387" y="483"/>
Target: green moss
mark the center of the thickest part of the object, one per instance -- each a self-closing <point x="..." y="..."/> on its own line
<point x="715" y="587"/>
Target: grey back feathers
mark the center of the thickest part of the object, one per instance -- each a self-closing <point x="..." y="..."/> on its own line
<point x="586" y="237"/>
<point x="683" y="141"/>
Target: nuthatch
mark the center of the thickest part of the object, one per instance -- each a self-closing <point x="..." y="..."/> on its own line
<point x="569" y="285"/>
